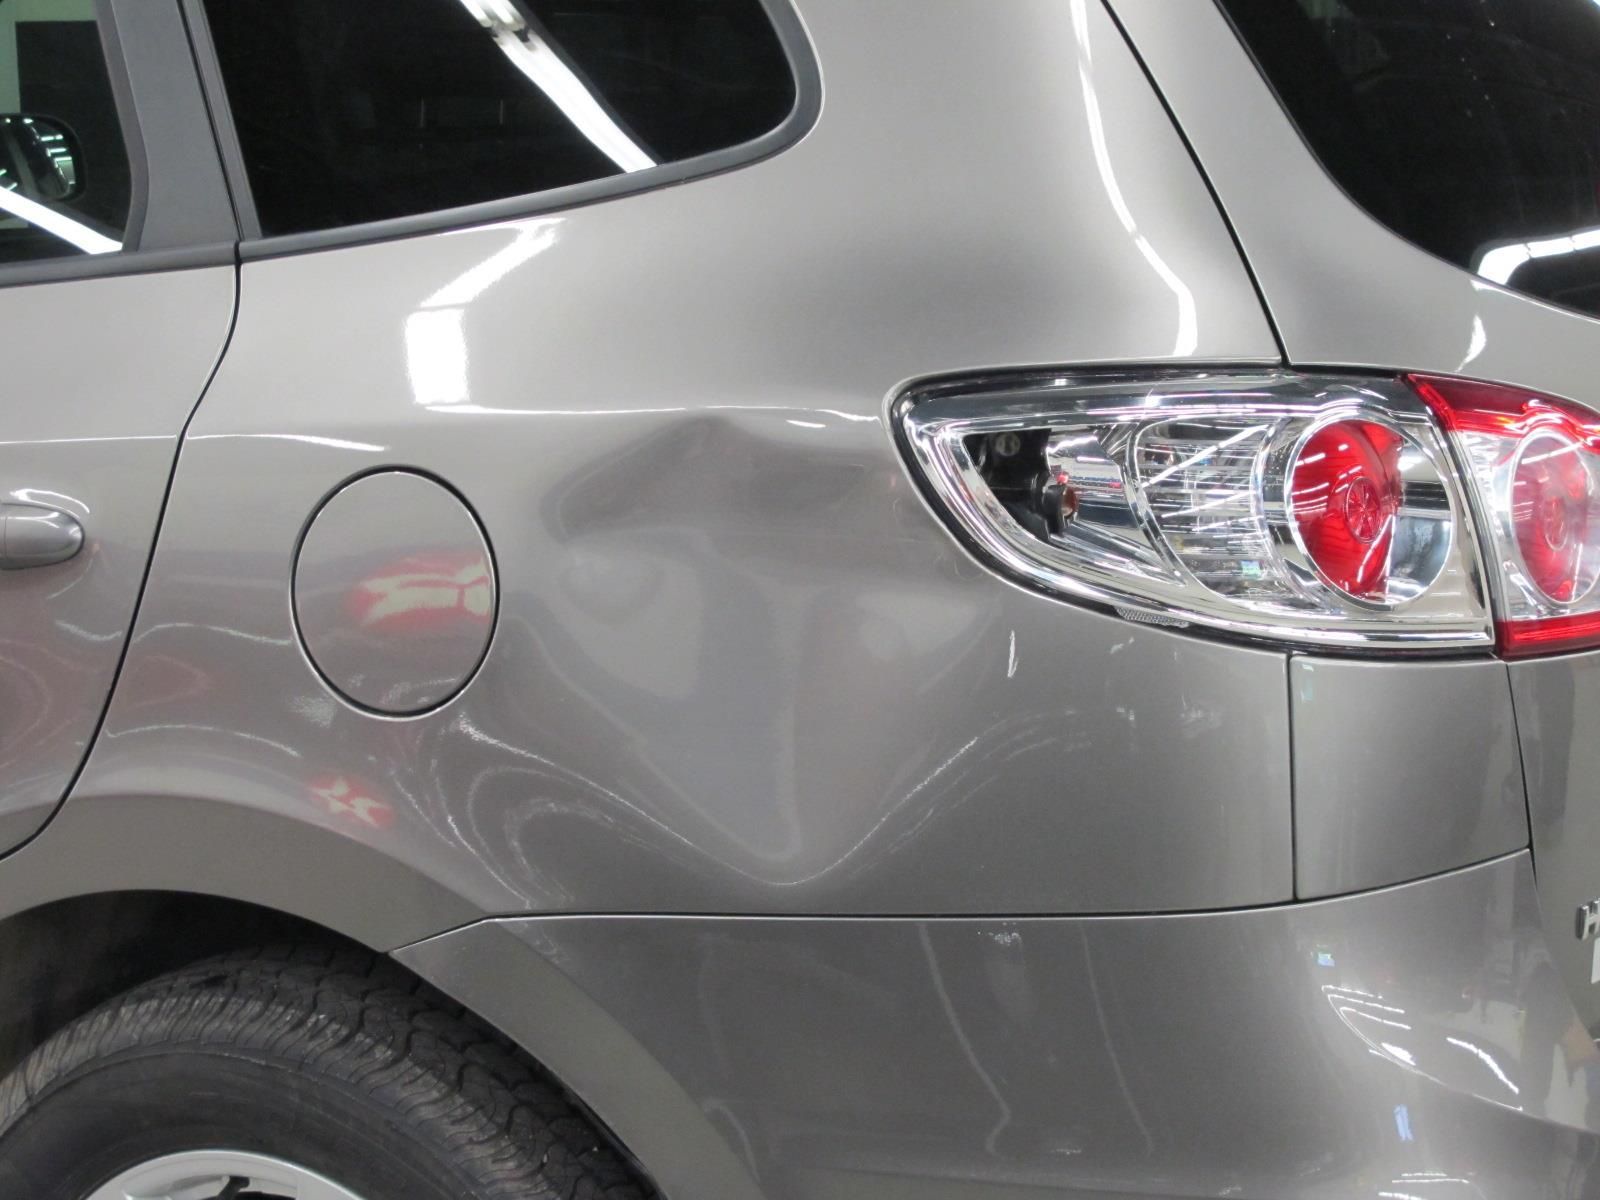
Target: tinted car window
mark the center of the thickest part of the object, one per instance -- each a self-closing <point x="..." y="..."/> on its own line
<point x="1470" y="127"/>
<point x="64" y="179"/>
<point x="351" y="112"/>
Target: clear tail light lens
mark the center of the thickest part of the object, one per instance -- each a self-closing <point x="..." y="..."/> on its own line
<point x="1534" y="466"/>
<point x="1300" y="509"/>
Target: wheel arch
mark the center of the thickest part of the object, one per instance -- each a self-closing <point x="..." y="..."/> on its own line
<point x="118" y="890"/>
<point x="236" y="852"/>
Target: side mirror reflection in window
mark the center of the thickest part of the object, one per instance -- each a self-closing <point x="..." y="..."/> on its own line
<point x="41" y="169"/>
<point x="39" y="158"/>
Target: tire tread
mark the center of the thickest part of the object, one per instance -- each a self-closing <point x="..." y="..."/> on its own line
<point x="358" y="1020"/>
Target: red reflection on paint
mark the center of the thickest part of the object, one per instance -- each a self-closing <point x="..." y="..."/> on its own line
<point x="348" y="799"/>
<point x="424" y="592"/>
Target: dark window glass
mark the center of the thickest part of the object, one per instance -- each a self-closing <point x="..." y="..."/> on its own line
<point x="64" y="181"/>
<point x="1470" y="127"/>
<point x="355" y="110"/>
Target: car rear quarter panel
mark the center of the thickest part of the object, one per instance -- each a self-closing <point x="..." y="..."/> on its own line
<point x="1345" y="290"/>
<point x="1408" y="1042"/>
<point x="738" y="665"/>
<point x="1401" y="769"/>
<point x="1558" y="712"/>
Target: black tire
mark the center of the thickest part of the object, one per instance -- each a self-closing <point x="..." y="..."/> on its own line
<point x="333" y="1060"/>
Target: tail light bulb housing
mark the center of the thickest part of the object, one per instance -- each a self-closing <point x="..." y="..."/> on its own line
<point x="1422" y="513"/>
<point x="1297" y="509"/>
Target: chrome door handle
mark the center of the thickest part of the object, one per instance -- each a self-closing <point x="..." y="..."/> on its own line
<point x="32" y="536"/>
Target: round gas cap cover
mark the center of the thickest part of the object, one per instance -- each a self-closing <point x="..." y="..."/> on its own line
<point x="394" y="593"/>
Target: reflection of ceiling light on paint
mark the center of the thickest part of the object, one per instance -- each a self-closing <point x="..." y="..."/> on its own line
<point x="48" y="219"/>
<point x="436" y="344"/>
<point x="532" y="237"/>
<point x="1402" y="1123"/>
<point x="538" y="60"/>
<point x="1501" y="263"/>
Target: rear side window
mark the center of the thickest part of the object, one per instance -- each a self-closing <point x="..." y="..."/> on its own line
<point x="65" y="184"/>
<point x="1469" y="127"/>
<point x="352" y="112"/>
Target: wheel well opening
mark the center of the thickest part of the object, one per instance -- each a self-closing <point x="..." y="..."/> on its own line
<point x="65" y="958"/>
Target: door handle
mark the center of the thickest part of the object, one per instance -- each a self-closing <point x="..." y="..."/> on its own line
<point x="32" y="536"/>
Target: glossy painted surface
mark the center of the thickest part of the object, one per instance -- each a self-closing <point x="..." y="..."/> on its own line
<point x="1558" y="714"/>
<point x="394" y="593"/>
<point x="100" y="375"/>
<point x="305" y="864"/>
<point x="1410" y="1042"/>
<point x="1401" y="769"/>
<point x="738" y="665"/>
<point x="1342" y="289"/>
<point x="740" y="669"/>
<point x="32" y="535"/>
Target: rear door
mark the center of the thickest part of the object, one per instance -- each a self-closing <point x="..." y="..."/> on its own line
<point x="116" y="295"/>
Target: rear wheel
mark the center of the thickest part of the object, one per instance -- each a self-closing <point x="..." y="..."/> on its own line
<point x="301" y="1073"/>
<point x="209" y="1174"/>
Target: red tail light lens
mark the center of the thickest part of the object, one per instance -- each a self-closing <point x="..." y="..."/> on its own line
<point x="1534" y="462"/>
<point x="1344" y="495"/>
<point x="1551" y="491"/>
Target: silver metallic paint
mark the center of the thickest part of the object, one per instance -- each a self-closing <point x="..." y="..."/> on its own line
<point x="1401" y="769"/>
<point x="89" y="425"/>
<point x="742" y="669"/>
<point x="306" y="864"/>
<point x="1558" y="713"/>
<point x="394" y="592"/>
<point x="32" y="535"/>
<point x="739" y="667"/>
<point x="1414" y="1041"/>
<point x="1344" y="290"/>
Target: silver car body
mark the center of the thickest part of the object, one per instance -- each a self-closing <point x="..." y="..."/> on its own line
<point x="817" y="859"/>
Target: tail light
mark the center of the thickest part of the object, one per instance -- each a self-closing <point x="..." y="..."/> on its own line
<point x="1310" y="510"/>
<point x="1534" y="466"/>
<point x="1305" y="510"/>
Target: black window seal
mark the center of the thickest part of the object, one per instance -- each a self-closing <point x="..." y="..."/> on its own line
<point x="107" y="266"/>
<point x="803" y="69"/>
<point x="163" y="160"/>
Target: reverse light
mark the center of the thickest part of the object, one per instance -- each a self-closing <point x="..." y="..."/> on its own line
<point x="1534" y="466"/>
<point x="1299" y="509"/>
